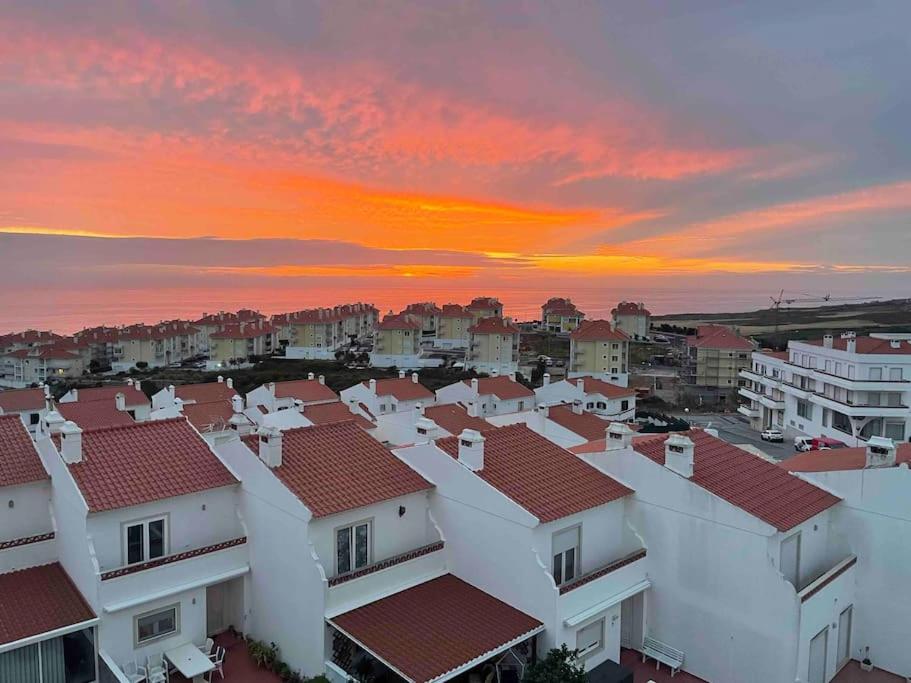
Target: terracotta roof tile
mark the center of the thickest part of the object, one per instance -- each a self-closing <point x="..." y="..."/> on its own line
<point x="145" y="462"/>
<point x="338" y="467"/>
<point x="94" y="414"/>
<point x="502" y="387"/>
<point x="494" y="326"/>
<point x="399" y="322"/>
<point x="211" y="416"/>
<point x="592" y="385"/>
<point x="454" y="418"/>
<point x="435" y="627"/>
<point x="597" y="330"/>
<point x="38" y="600"/>
<point x="454" y="311"/>
<point x="718" y="337"/>
<point x="21" y="400"/>
<point x="19" y="461"/>
<point x="403" y="389"/>
<point x="330" y="413"/>
<point x="205" y="392"/>
<point x="868" y="345"/>
<point x="560" y="306"/>
<point x="587" y="425"/>
<point x="543" y="478"/>
<point x="108" y="393"/>
<point x="839" y="459"/>
<point x="629" y="308"/>
<point x="484" y="303"/>
<point x="755" y="485"/>
<point x="306" y="390"/>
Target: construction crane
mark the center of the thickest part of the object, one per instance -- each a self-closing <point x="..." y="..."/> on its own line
<point x="803" y="298"/>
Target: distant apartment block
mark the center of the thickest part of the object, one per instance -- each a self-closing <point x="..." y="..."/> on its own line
<point x="715" y="357"/>
<point x="597" y="349"/>
<point x="560" y="315"/>
<point x="239" y="344"/>
<point x="397" y="342"/>
<point x="632" y="318"/>
<point x="454" y="322"/>
<point x="493" y="346"/>
<point x="317" y="333"/>
<point x="485" y="307"/>
<point x="428" y="314"/>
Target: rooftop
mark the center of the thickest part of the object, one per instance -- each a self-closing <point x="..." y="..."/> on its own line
<point x="94" y="414"/>
<point x="839" y="459"/>
<point x="402" y="321"/>
<point x="755" y="485"/>
<point x="454" y="418"/>
<point x="593" y="385"/>
<point x="211" y="416"/>
<point x="494" y="326"/>
<point x="597" y="330"/>
<point x="484" y="303"/>
<point x="336" y="467"/>
<point x="306" y="390"/>
<point x="868" y="345"/>
<point x="330" y="413"/>
<point x="454" y="311"/>
<point x="39" y="600"/>
<point x="403" y="389"/>
<point x="133" y="396"/>
<point x="548" y="481"/>
<point x="503" y="387"/>
<point x="435" y="627"/>
<point x="718" y="337"/>
<point x="21" y="400"/>
<point x="19" y="461"/>
<point x="205" y="392"/>
<point x="243" y="330"/>
<point x="560" y="306"/>
<point x="630" y="308"/>
<point x="587" y="425"/>
<point x="144" y="462"/>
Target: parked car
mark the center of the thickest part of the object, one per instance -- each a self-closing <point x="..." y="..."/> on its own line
<point x="802" y="443"/>
<point x="772" y="435"/>
<point x="824" y="443"/>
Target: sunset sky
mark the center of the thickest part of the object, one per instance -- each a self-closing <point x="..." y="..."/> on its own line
<point x="211" y="155"/>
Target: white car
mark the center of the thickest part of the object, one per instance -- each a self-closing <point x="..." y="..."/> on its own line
<point x="803" y="443"/>
<point x="772" y="435"/>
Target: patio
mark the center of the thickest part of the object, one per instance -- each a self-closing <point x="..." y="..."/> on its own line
<point x="239" y="668"/>
<point x="645" y="672"/>
<point x="852" y="673"/>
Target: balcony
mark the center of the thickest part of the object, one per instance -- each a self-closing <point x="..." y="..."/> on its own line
<point x="364" y="585"/>
<point x="859" y="410"/>
<point x="877" y="385"/>
<point x="747" y="411"/>
<point x="606" y="586"/>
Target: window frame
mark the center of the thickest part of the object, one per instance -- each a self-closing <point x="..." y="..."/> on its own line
<point x="137" y="642"/>
<point x="577" y="556"/>
<point x="352" y="546"/>
<point x="585" y="653"/>
<point x="144" y="523"/>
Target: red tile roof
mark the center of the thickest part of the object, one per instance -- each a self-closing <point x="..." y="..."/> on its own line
<point x="399" y="322"/>
<point x="338" y="467"/>
<point x="493" y="326"/>
<point x="543" y="478"/>
<point x="306" y="390"/>
<point x="211" y="416"/>
<point x="94" y="414"/>
<point x="435" y="627"/>
<point x="592" y="385"/>
<point x="868" y="345"/>
<point x="780" y="355"/>
<point x="587" y="425"/>
<point x="243" y="315"/>
<point x="753" y="484"/>
<point x="484" y="303"/>
<point x="145" y="462"/>
<point x="560" y="306"/>
<point x="422" y="308"/>
<point x="718" y="337"/>
<point x="38" y="600"/>
<point x="19" y="461"/>
<point x="502" y="387"/>
<point x="629" y="308"/>
<point x="454" y="418"/>
<point x="597" y="330"/>
<point x="243" y="331"/>
<point x="839" y="459"/>
<point x="205" y="392"/>
<point x="329" y="413"/>
<point x="21" y="400"/>
<point x="109" y="393"/>
<point x="454" y="311"/>
<point x="403" y="389"/>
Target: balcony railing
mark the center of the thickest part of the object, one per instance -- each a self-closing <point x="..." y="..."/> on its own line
<point x="171" y="559"/>
<point x="819" y="583"/>
<point x="609" y="568"/>
<point x="385" y="564"/>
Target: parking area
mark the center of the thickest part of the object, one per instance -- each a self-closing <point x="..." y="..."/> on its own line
<point x="735" y="428"/>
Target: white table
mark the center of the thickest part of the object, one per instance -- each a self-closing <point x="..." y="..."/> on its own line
<point x="190" y="661"/>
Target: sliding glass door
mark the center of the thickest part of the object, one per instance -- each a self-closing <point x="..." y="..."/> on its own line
<point x="67" y="659"/>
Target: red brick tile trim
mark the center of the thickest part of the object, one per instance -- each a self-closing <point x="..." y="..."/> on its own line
<point x="170" y="559"/>
<point x="829" y="579"/>
<point x="392" y="561"/>
<point x="26" y="540"/>
<point x="603" y="571"/>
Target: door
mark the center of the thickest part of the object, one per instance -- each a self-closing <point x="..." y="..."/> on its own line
<point x="631" y="622"/>
<point x="215" y="608"/>
<point x="844" y="637"/>
<point x="790" y="559"/>
<point x="818" y="647"/>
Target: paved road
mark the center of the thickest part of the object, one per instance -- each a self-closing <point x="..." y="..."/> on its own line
<point x="735" y="428"/>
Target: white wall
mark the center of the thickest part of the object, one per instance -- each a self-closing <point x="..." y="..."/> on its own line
<point x="25" y="510"/>
<point x="820" y="611"/>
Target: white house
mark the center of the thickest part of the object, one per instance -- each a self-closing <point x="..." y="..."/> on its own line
<point x="495" y="395"/>
<point x="876" y="521"/>
<point x="29" y="404"/>
<point x="850" y="388"/>
<point x="150" y="530"/>
<point x="542" y="530"/>
<point x="596" y="396"/>
<point x="275" y="396"/>
<point x="136" y="403"/>
<point x="740" y="548"/>
<point x="377" y="397"/>
<point x="431" y="422"/>
<point x="566" y="425"/>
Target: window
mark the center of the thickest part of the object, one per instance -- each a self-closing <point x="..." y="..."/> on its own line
<point x="624" y="405"/>
<point x="158" y="624"/>
<point x="565" y="550"/>
<point x="145" y="540"/>
<point x="876" y="374"/>
<point x="590" y="639"/>
<point x="895" y="374"/>
<point x="804" y="409"/>
<point x="352" y="547"/>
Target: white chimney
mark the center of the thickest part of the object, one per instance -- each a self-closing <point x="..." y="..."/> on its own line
<point x="129" y="381"/>
<point x="546" y="379"/>
<point x="475" y="386"/>
<point x="543" y="410"/>
<point x="220" y="379"/>
<point x="230" y="382"/>
<point x="895" y="343"/>
<point x="880" y="452"/>
<point x="53" y="421"/>
<point x="618" y="436"/>
<point x="426" y="429"/>
<point x="311" y="376"/>
<point x="495" y="373"/>
<point x="120" y="401"/>
<point x="471" y="449"/>
<point x="270" y="446"/>
<point x="580" y="384"/>
<point x="372" y="384"/>
<point x="137" y="385"/>
<point x="401" y="374"/>
<point x="239" y="422"/>
<point x="75" y="394"/>
<point x="352" y="406"/>
<point x="827" y="341"/>
<point x="321" y="379"/>
<point x="47" y="390"/>
<point x="270" y="387"/>
<point x="472" y="409"/>
<point x="414" y="377"/>
<point x="679" y="452"/>
<point x="512" y="376"/>
<point x="419" y="408"/>
<point x="577" y="407"/>
<point x="70" y="442"/>
<point x="851" y="345"/>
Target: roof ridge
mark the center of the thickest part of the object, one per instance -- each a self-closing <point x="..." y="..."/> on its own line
<point x="134" y="425"/>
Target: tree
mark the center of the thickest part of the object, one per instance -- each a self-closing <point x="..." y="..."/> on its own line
<point x="559" y="666"/>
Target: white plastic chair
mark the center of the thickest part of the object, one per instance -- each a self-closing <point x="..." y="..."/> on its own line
<point x="135" y="672"/>
<point x="218" y="659"/>
<point x="157" y="669"/>
<point x="207" y="648"/>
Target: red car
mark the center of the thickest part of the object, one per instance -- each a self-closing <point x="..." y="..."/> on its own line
<point x="824" y="443"/>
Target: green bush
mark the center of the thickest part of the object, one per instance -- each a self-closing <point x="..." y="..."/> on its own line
<point x="559" y="666"/>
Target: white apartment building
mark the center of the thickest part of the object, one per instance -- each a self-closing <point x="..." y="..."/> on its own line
<point x="595" y="395"/>
<point x="494" y="395"/>
<point x="377" y="397"/>
<point x="850" y="388"/>
<point x="493" y="346"/>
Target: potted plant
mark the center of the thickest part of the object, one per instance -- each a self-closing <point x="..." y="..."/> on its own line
<point x="865" y="663"/>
